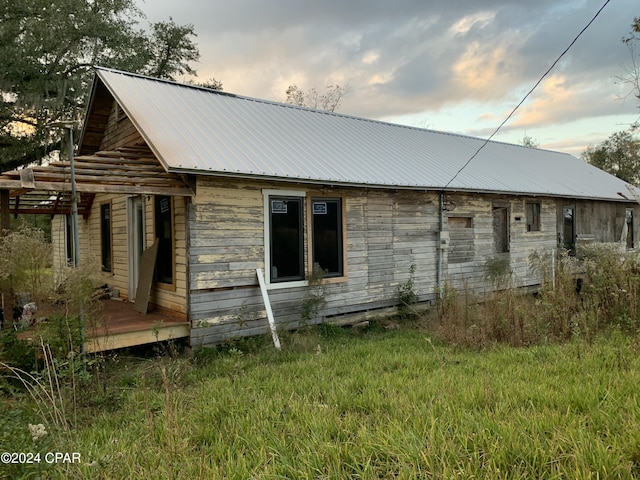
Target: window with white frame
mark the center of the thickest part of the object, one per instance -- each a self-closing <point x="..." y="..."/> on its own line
<point x="286" y="238"/>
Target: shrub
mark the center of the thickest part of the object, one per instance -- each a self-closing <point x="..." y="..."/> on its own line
<point x="25" y="262"/>
<point x="407" y="296"/>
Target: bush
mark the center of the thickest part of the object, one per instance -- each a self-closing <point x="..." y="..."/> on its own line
<point x="25" y="262"/>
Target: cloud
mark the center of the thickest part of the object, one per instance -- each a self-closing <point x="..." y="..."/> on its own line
<point x="410" y="57"/>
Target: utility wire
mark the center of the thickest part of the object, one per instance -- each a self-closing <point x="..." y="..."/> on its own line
<point x="484" y="144"/>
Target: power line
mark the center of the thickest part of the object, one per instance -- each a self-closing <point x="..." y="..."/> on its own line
<point x="484" y="144"/>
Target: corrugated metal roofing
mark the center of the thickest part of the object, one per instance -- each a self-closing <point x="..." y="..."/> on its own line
<point x="196" y="130"/>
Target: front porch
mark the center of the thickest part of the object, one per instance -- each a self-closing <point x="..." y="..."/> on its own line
<point x="121" y="326"/>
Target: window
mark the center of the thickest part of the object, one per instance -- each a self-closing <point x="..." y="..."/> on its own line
<point x="532" y="213"/>
<point x="300" y="233"/>
<point x="164" y="234"/>
<point x="68" y="244"/>
<point x="327" y="235"/>
<point x="105" y="235"/>
<point x="629" y="221"/>
<point x="286" y="242"/>
<point x="569" y="229"/>
<point x="461" y="247"/>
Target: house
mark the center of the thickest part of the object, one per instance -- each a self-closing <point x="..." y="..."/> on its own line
<point x="228" y="184"/>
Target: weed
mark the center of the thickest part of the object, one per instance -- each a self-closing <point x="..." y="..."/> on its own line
<point x="25" y="262"/>
<point x="407" y="296"/>
<point x="314" y="298"/>
<point x="498" y="271"/>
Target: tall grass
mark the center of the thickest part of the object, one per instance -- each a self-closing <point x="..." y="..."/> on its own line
<point x="579" y="298"/>
<point x="376" y="405"/>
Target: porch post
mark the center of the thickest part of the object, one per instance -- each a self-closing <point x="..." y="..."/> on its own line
<point x="5" y="225"/>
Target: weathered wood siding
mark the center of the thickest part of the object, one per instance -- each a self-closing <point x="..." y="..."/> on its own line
<point x="120" y="131"/>
<point x="386" y="233"/>
<point x="471" y="272"/>
<point x="59" y="242"/>
<point x="599" y="222"/>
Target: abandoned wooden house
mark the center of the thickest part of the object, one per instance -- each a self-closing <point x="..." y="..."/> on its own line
<point x="224" y="185"/>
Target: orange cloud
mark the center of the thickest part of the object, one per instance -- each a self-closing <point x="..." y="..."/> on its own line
<point x="480" y="70"/>
<point x="552" y="100"/>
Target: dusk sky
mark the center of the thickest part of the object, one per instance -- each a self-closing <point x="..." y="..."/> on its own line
<point x="457" y="65"/>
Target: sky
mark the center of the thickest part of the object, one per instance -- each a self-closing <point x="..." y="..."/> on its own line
<point x="451" y="65"/>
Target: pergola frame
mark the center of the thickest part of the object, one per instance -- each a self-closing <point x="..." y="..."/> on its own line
<point x="127" y="170"/>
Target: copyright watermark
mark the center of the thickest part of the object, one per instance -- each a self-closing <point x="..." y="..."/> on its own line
<point x="37" y="457"/>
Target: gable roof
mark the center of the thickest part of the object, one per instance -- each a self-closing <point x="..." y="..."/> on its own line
<point x="197" y="130"/>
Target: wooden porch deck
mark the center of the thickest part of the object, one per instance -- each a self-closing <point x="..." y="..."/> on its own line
<point x="121" y="326"/>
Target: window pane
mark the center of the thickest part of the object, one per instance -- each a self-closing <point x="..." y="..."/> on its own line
<point x="327" y="235"/>
<point x="501" y="229"/>
<point x="286" y="239"/>
<point x="629" y="221"/>
<point x="105" y="233"/>
<point x="568" y="230"/>
<point x="69" y="238"/>
<point x="164" y="234"/>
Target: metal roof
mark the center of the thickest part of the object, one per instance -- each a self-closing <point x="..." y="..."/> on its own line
<point x="197" y="130"/>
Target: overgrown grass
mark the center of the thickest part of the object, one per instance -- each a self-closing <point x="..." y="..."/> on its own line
<point x="547" y="390"/>
<point x="374" y="405"/>
<point x="581" y="298"/>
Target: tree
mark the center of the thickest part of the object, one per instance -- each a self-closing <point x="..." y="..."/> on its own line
<point x="618" y="155"/>
<point x="529" y="142"/>
<point x="48" y="50"/>
<point x="211" y="83"/>
<point x="328" y="101"/>
<point x="631" y="76"/>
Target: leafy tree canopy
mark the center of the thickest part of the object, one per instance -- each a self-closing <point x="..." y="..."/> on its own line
<point x="619" y="155"/>
<point x="47" y="49"/>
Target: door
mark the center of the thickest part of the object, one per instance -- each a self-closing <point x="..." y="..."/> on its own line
<point x="135" y="239"/>
<point x="501" y="229"/>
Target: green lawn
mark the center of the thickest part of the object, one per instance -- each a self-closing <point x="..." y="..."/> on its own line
<point x="336" y="405"/>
